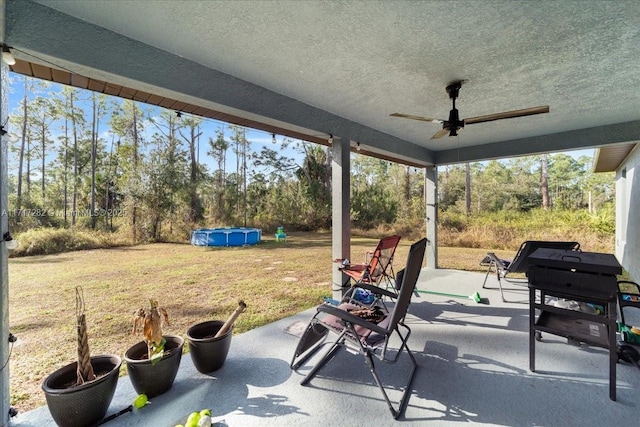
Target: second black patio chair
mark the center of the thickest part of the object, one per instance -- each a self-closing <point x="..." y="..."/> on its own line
<point x="366" y="330"/>
<point x="520" y="262"/>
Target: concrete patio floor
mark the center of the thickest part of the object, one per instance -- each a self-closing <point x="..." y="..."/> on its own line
<point x="473" y="368"/>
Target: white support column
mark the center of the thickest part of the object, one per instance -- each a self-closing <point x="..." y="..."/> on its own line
<point x="340" y="209"/>
<point x="431" y="220"/>
<point x="4" y="278"/>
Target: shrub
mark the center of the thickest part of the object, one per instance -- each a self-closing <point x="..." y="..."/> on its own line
<point x="44" y="241"/>
<point x="508" y="229"/>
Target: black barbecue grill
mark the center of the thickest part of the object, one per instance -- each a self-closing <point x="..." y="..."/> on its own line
<point x="586" y="278"/>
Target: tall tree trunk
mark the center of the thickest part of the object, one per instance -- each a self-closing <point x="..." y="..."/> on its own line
<point x="407" y="185"/>
<point x="107" y="191"/>
<point x="219" y="149"/>
<point x="134" y="207"/>
<point x="66" y="169"/>
<point x="28" y="175"/>
<point x="467" y="188"/>
<point x="244" y="177"/>
<point x="44" y="147"/>
<point x="171" y="157"/>
<point x="94" y="144"/>
<point x="74" y="202"/>
<point x="237" y="173"/>
<point x="22" y="144"/>
<point x="195" y="207"/>
<point x="221" y="187"/>
<point x="544" y="180"/>
<point x="405" y="207"/>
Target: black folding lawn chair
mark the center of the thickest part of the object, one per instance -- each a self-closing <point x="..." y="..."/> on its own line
<point x="366" y="330"/>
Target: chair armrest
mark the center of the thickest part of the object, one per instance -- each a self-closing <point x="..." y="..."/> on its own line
<point x="353" y="267"/>
<point x="344" y="315"/>
<point x="377" y="290"/>
<point x="498" y="262"/>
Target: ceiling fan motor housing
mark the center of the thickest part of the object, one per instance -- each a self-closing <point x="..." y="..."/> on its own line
<point x="454" y="123"/>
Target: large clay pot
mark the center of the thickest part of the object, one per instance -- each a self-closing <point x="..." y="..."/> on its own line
<point x="83" y="405"/>
<point x="208" y="353"/>
<point x="154" y="379"/>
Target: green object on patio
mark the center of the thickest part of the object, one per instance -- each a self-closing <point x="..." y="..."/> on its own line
<point x="140" y="401"/>
<point x="628" y="333"/>
<point x="475" y="296"/>
<point x="280" y="235"/>
<point x="193" y="419"/>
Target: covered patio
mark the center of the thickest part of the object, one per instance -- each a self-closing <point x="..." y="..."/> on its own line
<point x="472" y="368"/>
<point x="333" y="73"/>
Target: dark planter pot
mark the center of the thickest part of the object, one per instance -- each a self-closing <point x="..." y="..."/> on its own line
<point x="208" y="353"/>
<point x="86" y="404"/>
<point x="155" y="379"/>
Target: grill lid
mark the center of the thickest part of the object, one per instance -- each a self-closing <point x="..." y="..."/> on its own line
<point x="588" y="262"/>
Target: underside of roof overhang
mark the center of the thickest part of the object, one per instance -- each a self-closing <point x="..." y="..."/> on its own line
<point x="609" y="158"/>
<point x="319" y="70"/>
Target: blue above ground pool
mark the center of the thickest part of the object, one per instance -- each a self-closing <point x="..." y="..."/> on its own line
<point x="229" y="236"/>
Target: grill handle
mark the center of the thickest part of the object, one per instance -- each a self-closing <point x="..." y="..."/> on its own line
<point x="571" y="258"/>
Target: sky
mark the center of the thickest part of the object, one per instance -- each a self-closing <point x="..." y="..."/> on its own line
<point x="208" y="126"/>
<point x="257" y="138"/>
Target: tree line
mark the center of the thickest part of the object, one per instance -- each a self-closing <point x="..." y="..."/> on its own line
<point x="89" y="160"/>
<point x="558" y="181"/>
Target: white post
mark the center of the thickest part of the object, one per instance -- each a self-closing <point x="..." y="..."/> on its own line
<point x="340" y="209"/>
<point x="431" y="220"/>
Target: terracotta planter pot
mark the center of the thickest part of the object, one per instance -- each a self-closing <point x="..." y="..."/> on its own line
<point x="155" y="379"/>
<point x="208" y="353"/>
<point x="83" y="405"/>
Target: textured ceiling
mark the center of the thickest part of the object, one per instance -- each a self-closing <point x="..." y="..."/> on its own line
<point x="341" y="67"/>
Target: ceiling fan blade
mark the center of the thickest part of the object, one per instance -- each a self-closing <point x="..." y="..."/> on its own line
<point x="507" y="115"/>
<point x="440" y="133"/>
<point x="423" y="119"/>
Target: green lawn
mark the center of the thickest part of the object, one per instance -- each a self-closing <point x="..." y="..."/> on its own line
<point x="193" y="284"/>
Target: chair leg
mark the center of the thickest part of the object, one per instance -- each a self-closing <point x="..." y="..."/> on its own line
<point x="301" y="361"/>
<point x="498" y="277"/>
<point x="499" y="286"/>
<point x="396" y="413"/>
<point x="486" y="276"/>
<point x="310" y="342"/>
<point x="501" y="291"/>
<point x="510" y="289"/>
<point x="368" y="356"/>
<point x="323" y="361"/>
